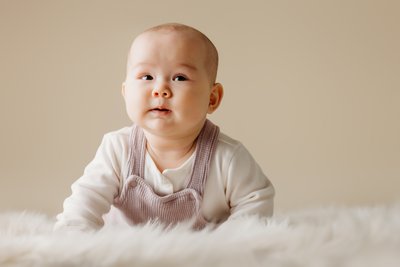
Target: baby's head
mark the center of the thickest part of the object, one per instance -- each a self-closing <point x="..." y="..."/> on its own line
<point x="209" y="54"/>
<point x="170" y="82"/>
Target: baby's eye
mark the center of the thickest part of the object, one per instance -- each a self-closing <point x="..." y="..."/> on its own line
<point x="146" y="77"/>
<point x="179" y="78"/>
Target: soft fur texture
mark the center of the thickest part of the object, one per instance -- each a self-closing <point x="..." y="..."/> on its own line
<point x="368" y="236"/>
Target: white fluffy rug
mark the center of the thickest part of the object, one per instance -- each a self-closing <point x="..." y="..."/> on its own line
<point x="368" y="236"/>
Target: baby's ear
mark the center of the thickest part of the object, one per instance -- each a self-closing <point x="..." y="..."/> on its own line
<point x="217" y="92"/>
<point x="123" y="89"/>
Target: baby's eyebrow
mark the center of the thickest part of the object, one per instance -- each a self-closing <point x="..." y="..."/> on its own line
<point x="149" y="65"/>
<point x="188" y="66"/>
<point x="142" y="65"/>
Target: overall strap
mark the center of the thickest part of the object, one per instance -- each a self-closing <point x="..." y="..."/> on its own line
<point x="205" y="147"/>
<point x="137" y="152"/>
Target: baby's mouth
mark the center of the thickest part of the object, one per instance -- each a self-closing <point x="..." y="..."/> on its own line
<point x="160" y="110"/>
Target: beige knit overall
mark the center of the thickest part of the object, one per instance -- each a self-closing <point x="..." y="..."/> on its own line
<point x="140" y="204"/>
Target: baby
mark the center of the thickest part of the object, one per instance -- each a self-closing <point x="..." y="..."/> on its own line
<point x="172" y="164"/>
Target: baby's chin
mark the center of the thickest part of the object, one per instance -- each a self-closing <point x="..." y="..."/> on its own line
<point x="159" y="127"/>
<point x="170" y="130"/>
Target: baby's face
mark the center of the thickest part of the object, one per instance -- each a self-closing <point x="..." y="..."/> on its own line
<point x="167" y="90"/>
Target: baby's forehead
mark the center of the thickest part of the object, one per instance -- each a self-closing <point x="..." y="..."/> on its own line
<point x="176" y="46"/>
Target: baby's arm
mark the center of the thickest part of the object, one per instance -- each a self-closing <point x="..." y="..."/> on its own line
<point x="249" y="192"/>
<point x="94" y="192"/>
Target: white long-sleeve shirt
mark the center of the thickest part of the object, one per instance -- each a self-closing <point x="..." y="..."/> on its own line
<point x="235" y="185"/>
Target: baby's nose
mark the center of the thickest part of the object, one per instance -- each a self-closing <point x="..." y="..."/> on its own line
<point x="162" y="92"/>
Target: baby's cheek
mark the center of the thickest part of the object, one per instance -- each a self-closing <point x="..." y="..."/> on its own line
<point x="197" y="111"/>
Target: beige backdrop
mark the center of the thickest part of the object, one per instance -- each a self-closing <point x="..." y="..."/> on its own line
<point x="312" y="89"/>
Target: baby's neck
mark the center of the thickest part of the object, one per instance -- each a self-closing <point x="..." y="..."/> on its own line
<point x="170" y="153"/>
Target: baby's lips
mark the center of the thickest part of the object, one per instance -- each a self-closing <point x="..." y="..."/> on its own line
<point x="161" y="108"/>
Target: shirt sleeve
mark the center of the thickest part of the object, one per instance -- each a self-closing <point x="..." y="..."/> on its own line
<point x="249" y="191"/>
<point x="94" y="192"/>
